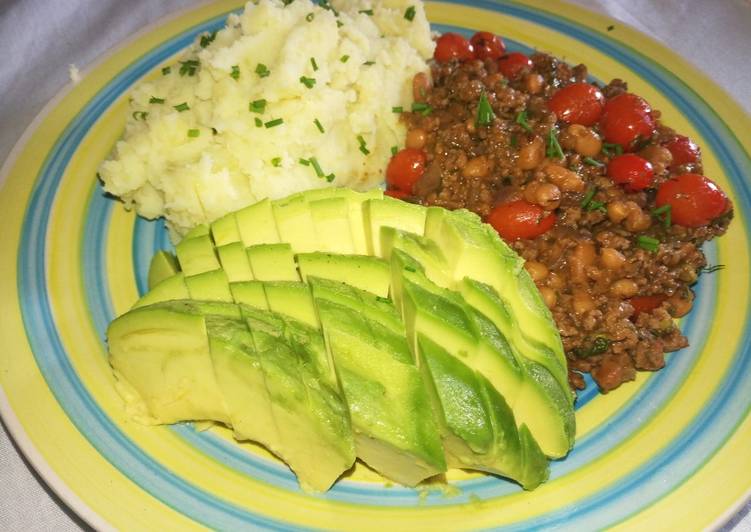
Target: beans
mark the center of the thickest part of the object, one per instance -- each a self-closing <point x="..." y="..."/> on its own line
<point x="582" y="256"/>
<point x="477" y="167"/>
<point x="612" y="259"/>
<point x="416" y="138"/>
<point x="680" y="306"/>
<point x="548" y="296"/>
<point x="637" y="220"/>
<point x="617" y="211"/>
<point x="420" y="86"/>
<point x="582" y="301"/>
<point x="533" y="82"/>
<point x="624" y="288"/>
<point x="537" y="270"/>
<point x="556" y="281"/>
<point x="582" y="140"/>
<point x="565" y="179"/>
<point x="531" y="154"/>
<point x="659" y="156"/>
<point x="546" y="195"/>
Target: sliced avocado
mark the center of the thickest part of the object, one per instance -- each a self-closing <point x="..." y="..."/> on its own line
<point x="199" y="230"/>
<point x="315" y="434"/>
<point x="249" y="293"/>
<point x="171" y="288"/>
<point x="363" y="272"/>
<point x="224" y="230"/>
<point x="292" y="299"/>
<point x="356" y="217"/>
<point x="209" y="286"/>
<point x="395" y="432"/>
<point x="331" y="220"/>
<point x="196" y="255"/>
<point x="163" y="265"/>
<point x="255" y="223"/>
<point x="272" y="262"/>
<point x="315" y="194"/>
<point x="234" y="261"/>
<point x="295" y="223"/>
<point x="389" y="212"/>
<point x="162" y="351"/>
<point x="423" y="250"/>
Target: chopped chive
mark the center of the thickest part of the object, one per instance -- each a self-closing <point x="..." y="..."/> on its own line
<point x="521" y="119"/>
<point x="609" y="149"/>
<point x="304" y="162"/>
<point x="610" y="28"/>
<point x="181" y="107"/>
<point x="369" y="63"/>
<point x="663" y="214"/>
<point x="589" y="204"/>
<point x="327" y="6"/>
<point x="214" y="131"/>
<point x="194" y="132"/>
<point x="154" y="99"/>
<point x="397" y="109"/>
<point x="339" y="23"/>
<point x="316" y="167"/>
<point x="274" y="123"/>
<point x="257" y="106"/>
<point x="310" y="16"/>
<point x="276" y="162"/>
<point x="712" y="269"/>
<point x="330" y="178"/>
<point x="648" y="243"/>
<point x="368" y="12"/>
<point x="262" y="70"/>
<point x="554" y="148"/>
<point x="319" y="126"/>
<point x="308" y="82"/>
<point x="423" y="108"/>
<point x="344" y="58"/>
<point x="363" y="145"/>
<point x="485" y="114"/>
<point x="189" y="67"/>
<point x="514" y="142"/>
<point x="287" y="2"/>
<point x="314" y="64"/>
<point x="394" y="150"/>
<point x="207" y="39"/>
<point x="593" y="162"/>
<point x="140" y="115"/>
<point x="166" y="70"/>
<point x="410" y="12"/>
<point x="259" y="122"/>
<point x="235" y="74"/>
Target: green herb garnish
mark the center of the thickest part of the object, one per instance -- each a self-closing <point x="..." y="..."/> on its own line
<point x="181" y="107"/>
<point x="140" y="115"/>
<point x="310" y="16"/>
<point x="189" y="67"/>
<point x="344" y="58"/>
<point x="154" y="99"/>
<point x="273" y="123"/>
<point x="207" y="39"/>
<point x="521" y="119"/>
<point x="368" y="12"/>
<point x="262" y="70"/>
<point x="316" y="167"/>
<point x="194" y="132"/>
<point x="485" y="114"/>
<point x="588" y="203"/>
<point x="712" y="269"/>
<point x="319" y="126"/>
<point x="554" y="147"/>
<point x="648" y="243"/>
<point x="313" y="63"/>
<point x="363" y="145"/>
<point x="423" y="108"/>
<point x="339" y="23"/>
<point x="304" y="162"/>
<point x="610" y="149"/>
<point x="257" y="106"/>
<point x="166" y="70"/>
<point x="235" y="74"/>
<point x="259" y="122"/>
<point x="410" y="12"/>
<point x="398" y="109"/>
<point x="276" y="162"/>
<point x="593" y="162"/>
<point x="369" y="63"/>
<point x="664" y="214"/>
<point x="330" y="178"/>
<point x="308" y="82"/>
<point x="394" y="150"/>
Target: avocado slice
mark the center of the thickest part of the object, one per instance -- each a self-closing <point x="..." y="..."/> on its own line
<point x="360" y="271"/>
<point x="255" y="223"/>
<point x="395" y="431"/>
<point x="272" y="262"/>
<point x="196" y="255"/>
<point x="294" y="223"/>
<point x="331" y="219"/>
<point x="390" y="212"/>
<point x="209" y="286"/>
<point x="224" y="230"/>
<point x="171" y="288"/>
<point x="249" y="293"/>
<point x="235" y="262"/>
<point x="425" y="251"/>
<point x="163" y="265"/>
<point x="199" y="230"/>
<point x="291" y="299"/>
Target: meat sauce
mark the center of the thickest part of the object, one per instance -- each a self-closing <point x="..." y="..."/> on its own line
<point x="608" y="206"/>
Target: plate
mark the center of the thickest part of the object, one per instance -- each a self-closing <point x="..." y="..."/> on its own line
<point x="662" y="452"/>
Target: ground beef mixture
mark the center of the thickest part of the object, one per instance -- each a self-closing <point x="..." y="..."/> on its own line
<point x="612" y="270"/>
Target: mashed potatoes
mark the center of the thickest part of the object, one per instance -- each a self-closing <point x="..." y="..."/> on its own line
<point x="284" y="98"/>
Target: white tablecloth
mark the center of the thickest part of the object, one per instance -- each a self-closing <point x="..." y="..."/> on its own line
<point x="40" y="38"/>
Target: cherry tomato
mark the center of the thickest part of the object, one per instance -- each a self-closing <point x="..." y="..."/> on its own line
<point x="487" y="45"/>
<point x="683" y="150"/>
<point x="396" y="193"/>
<point x="519" y="219"/>
<point x="646" y="303"/>
<point x="632" y="171"/>
<point x="625" y="118"/>
<point x="452" y="46"/>
<point x="511" y="65"/>
<point x="405" y="169"/>
<point x="694" y="200"/>
<point x="578" y="103"/>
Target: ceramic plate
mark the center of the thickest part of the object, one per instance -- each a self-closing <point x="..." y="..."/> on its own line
<point x="670" y="450"/>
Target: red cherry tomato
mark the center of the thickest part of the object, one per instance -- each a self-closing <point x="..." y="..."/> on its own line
<point x="578" y="103"/>
<point x="452" y="46"/>
<point x="405" y="169"/>
<point x="396" y="193"/>
<point x="646" y="303"/>
<point x="632" y="171"/>
<point x="694" y="200"/>
<point x="625" y="118"/>
<point x="487" y="45"/>
<point x="519" y="219"/>
<point x="511" y="65"/>
<point x="683" y="150"/>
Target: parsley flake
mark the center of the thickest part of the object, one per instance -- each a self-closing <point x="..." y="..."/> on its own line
<point x="308" y="82"/>
<point x="235" y="74"/>
<point x="410" y="13"/>
<point x="189" y="67"/>
<point x="262" y="70"/>
<point x="181" y="107"/>
<point x="154" y="99"/>
<point x="207" y="39"/>
<point x="257" y="106"/>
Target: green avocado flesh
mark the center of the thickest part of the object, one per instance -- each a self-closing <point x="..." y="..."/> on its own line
<point x="334" y="325"/>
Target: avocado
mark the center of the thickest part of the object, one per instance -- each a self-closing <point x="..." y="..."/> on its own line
<point x="196" y="255"/>
<point x="163" y="265"/>
<point x="360" y="271"/>
<point x="209" y="286"/>
<point x="255" y="223"/>
<point x="171" y="288"/>
<point x="425" y="251"/>
<point x="234" y="261"/>
<point x="395" y="431"/>
<point x="224" y="230"/>
<point x="331" y="220"/>
<point x="249" y="293"/>
<point x="272" y="262"/>
<point x="295" y="223"/>
<point x="356" y="202"/>
<point x="292" y="299"/>
<point x="390" y="212"/>
<point x="199" y="230"/>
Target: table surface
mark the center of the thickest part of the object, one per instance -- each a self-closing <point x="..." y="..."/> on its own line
<point x="41" y="39"/>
